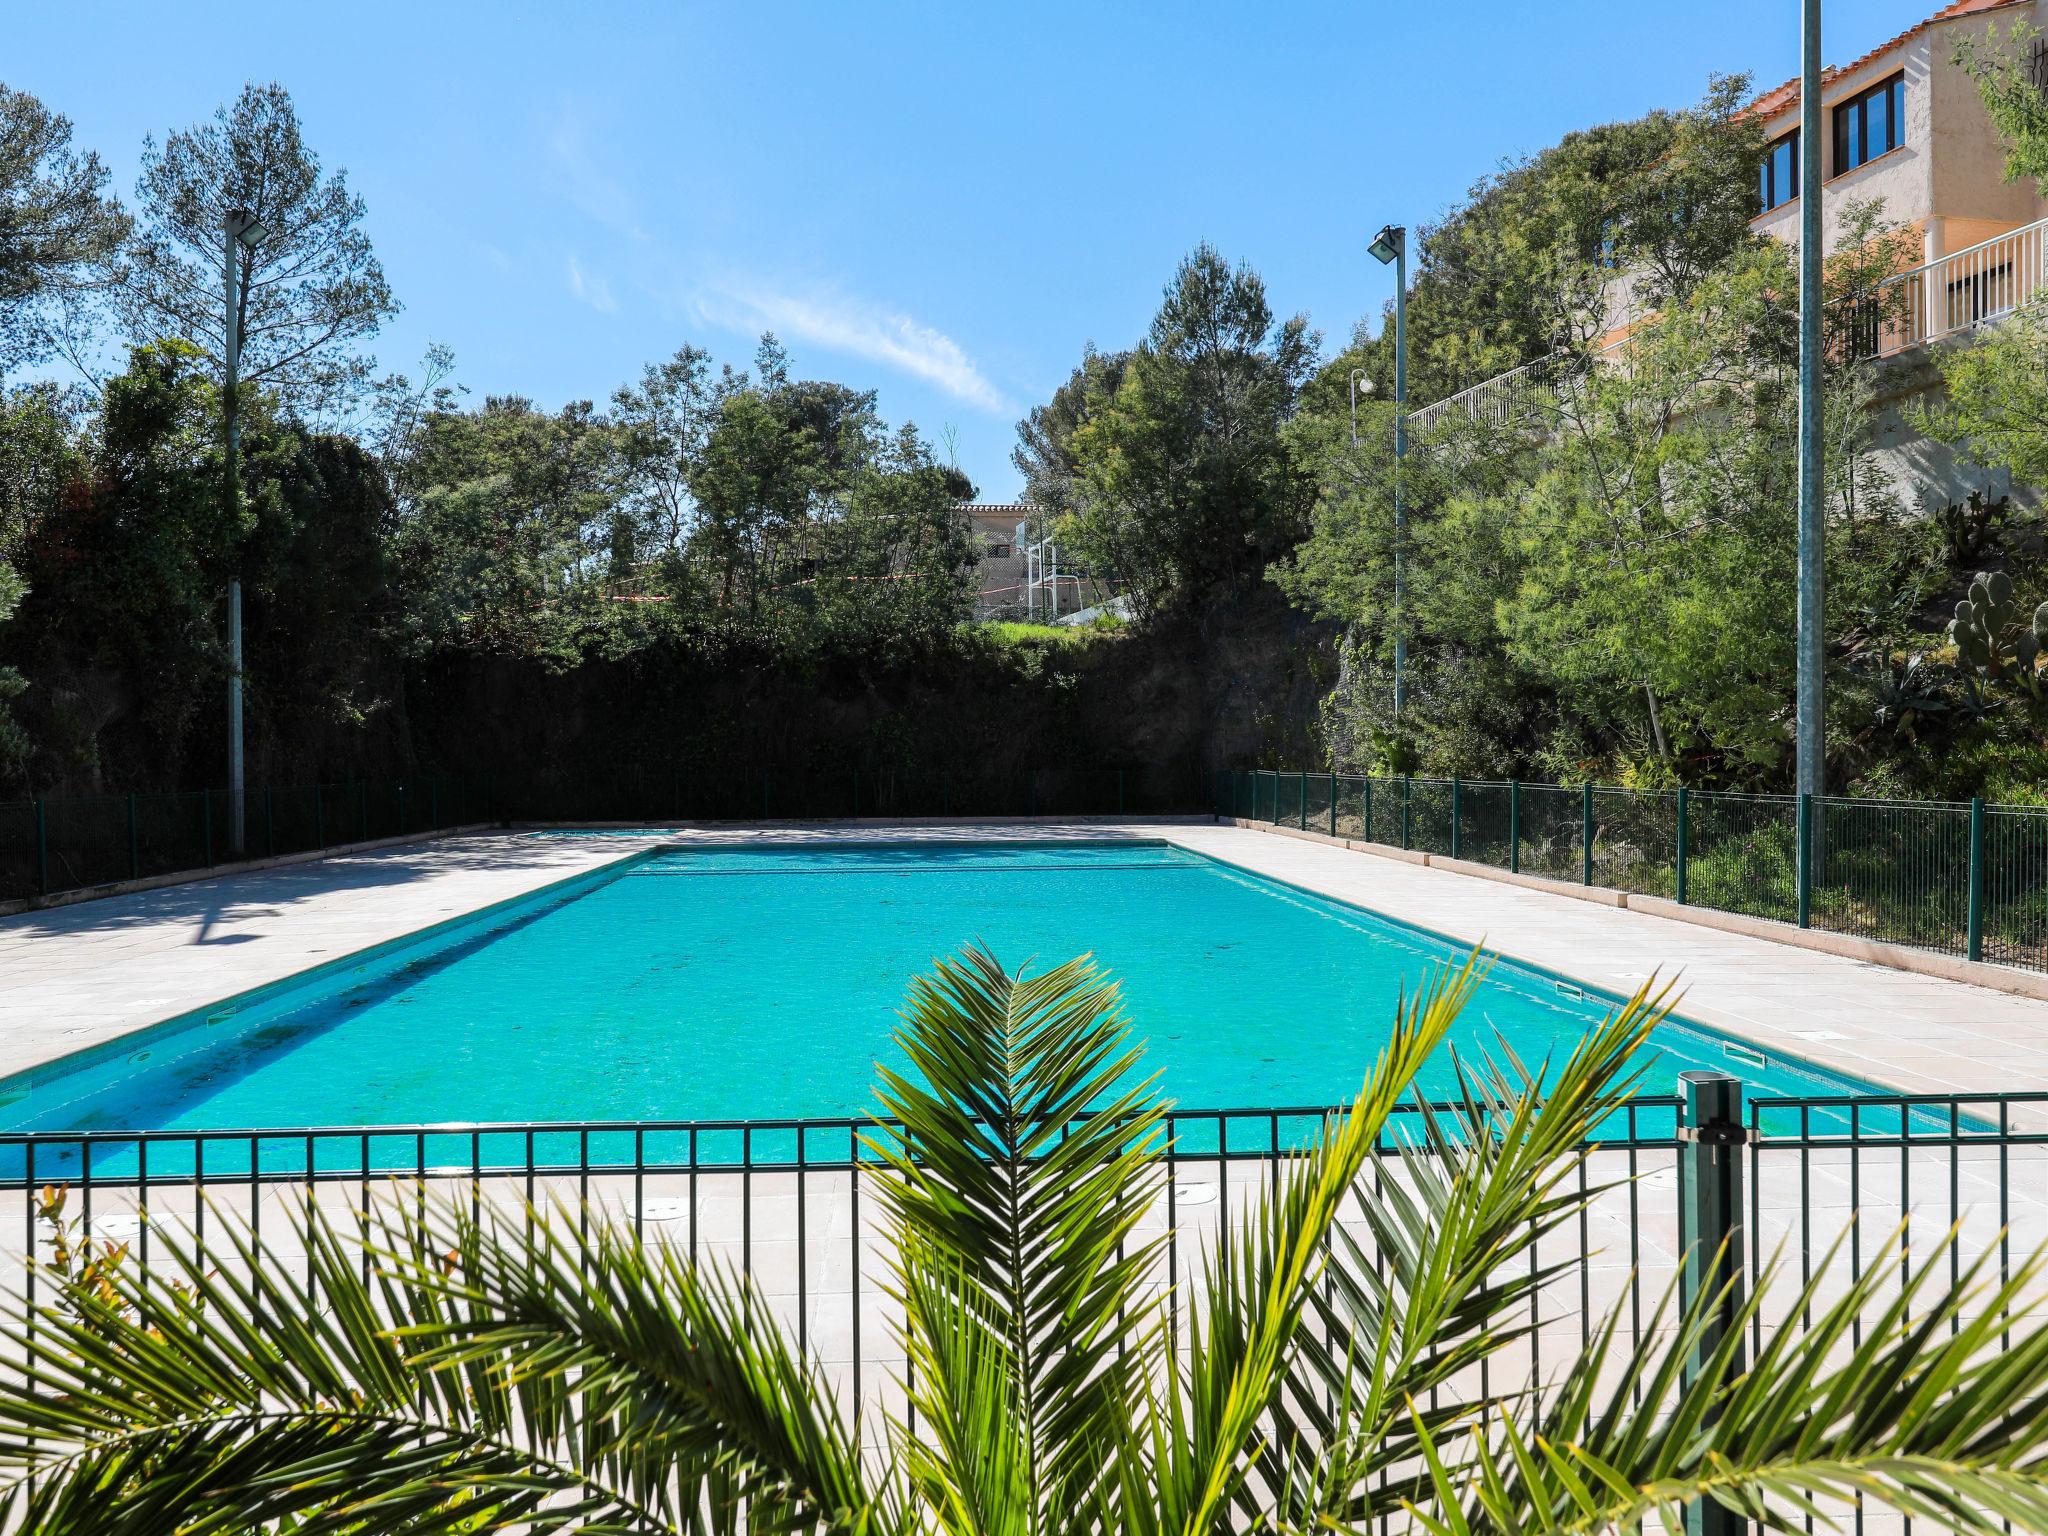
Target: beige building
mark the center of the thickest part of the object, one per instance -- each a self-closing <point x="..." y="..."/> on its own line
<point x="1903" y="125"/>
<point x="1022" y="574"/>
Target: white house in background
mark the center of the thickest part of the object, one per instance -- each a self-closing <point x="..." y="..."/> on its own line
<point x="1902" y="124"/>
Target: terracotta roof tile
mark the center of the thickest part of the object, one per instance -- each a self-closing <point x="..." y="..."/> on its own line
<point x="1786" y="96"/>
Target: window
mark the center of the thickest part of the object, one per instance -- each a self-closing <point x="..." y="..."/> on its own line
<point x="1779" y="178"/>
<point x="1870" y="124"/>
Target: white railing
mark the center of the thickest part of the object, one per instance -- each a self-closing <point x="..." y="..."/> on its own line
<point x="1964" y="290"/>
<point x="1498" y="399"/>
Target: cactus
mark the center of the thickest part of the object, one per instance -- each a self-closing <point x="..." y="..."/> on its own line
<point x="1991" y="641"/>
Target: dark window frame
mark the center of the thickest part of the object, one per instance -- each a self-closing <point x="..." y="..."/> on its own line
<point x="1850" y="123"/>
<point x="1768" y="189"/>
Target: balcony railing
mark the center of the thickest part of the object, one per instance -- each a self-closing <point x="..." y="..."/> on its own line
<point x="1964" y="289"/>
<point x="1499" y="399"/>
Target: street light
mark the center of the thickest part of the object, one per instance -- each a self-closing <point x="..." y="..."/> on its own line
<point x="1360" y="385"/>
<point x="244" y="233"/>
<point x="1391" y="244"/>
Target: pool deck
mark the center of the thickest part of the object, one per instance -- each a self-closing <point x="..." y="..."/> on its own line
<point x="74" y="976"/>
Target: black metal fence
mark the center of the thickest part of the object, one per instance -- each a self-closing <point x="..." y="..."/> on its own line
<point x="791" y="1203"/>
<point x="1961" y="878"/>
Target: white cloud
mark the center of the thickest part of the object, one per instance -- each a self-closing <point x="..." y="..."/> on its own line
<point x="594" y="291"/>
<point x="585" y="181"/>
<point x="862" y="329"/>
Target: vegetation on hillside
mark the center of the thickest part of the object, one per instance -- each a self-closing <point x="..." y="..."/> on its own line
<point x="1596" y="582"/>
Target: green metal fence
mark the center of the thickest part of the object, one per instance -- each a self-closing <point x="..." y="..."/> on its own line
<point x="51" y="846"/>
<point x="1965" y="879"/>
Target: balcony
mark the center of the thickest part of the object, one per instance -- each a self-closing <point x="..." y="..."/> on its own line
<point x="1963" y="290"/>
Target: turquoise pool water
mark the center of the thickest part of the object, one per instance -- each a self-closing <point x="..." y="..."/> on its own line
<point x="763" y="983"/>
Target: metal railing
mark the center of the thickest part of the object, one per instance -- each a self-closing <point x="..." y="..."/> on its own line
<point x="1962" y="290"/>
<point x="792" y="1203"/>
<point x="1959" y="878"/>
<point x="1498" y="400"/>
<point x="50" y="846"/>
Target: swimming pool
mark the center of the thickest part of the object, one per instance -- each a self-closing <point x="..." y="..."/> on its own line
<point x="762" y="983"/>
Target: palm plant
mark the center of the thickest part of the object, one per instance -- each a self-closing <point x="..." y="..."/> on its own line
<point x="486" y="1370"/>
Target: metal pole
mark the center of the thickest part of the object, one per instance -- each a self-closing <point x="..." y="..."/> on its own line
<point x="43" y="850"/>
<point x="1975" y="950"/>
<point x="1684" y="838"/>
<point x="1400" y="461"/>
<point x="1804" y="825"/>
<point x="231" y="364"/>
<point x="1586" y="833"/>
<point x="1514" y="826"/>
<point x="1333" y="805"/>
<point x="1457" y="815"/>
<point x="1711" y="1137"/>
<point x="1811" y="527"/>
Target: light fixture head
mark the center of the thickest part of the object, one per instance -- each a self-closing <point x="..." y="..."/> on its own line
<point x="248" y="229"/>
<point x="1389" y="242"/>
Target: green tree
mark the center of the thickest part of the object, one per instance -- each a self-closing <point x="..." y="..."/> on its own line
<point x="2003" y="72"/>
<point x="58" y="229"/>
<point x="1183" y="482"/>
<point x="311" y="293"/>
<point x="462" y="1368"/>
<point x="1996" y="388"/>
<point x="503" y="525"/>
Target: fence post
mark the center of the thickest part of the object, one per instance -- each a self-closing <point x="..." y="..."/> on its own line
<point x="1710" y="1141"/>
<point x="1365" y="808"/>
<point x="362" y="811"/>
<point x="1301" y="800"/>
<point x="401" y="810"/>
<point x="1457" y="814"/>
<point x="1684" y="838"/>
<point x="319" y="818"/>
<point x="269" y="824"/>
<point x="1975" y="951"/>
<point x="1514" y="826"/>
<point x="856" y="794"/>
<point x="1803" y="864"/>
<point x="433" y="804"/>
<point x="764" y="794"/>
<point x="1333" y="805"/>
<point x="42" y="851"/>
<point x="134" y="844"/>
<point x="1407" y="809"/>
<point x="206" y="818"/>
<point x="1586" y="833"/>
<point x="1119" y="791"/>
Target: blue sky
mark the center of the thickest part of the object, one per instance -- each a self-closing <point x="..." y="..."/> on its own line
<point x="943" y="202"/>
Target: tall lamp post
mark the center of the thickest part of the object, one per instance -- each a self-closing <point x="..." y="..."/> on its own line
<point x="243" y="232"/>
<point x="1391" y="244"/>
<point x="1812" y="531"/>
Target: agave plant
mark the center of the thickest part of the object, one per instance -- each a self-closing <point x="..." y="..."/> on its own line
<point x="445" y="1367"/>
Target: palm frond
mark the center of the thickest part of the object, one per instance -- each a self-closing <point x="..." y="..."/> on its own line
<point x="1021" y="1155"/>
<point x="1937" y="1412"/>
<point x="1244" y="1331"/>
<point x="478" y="1365"/>
<point x="1449" y="1273"/>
